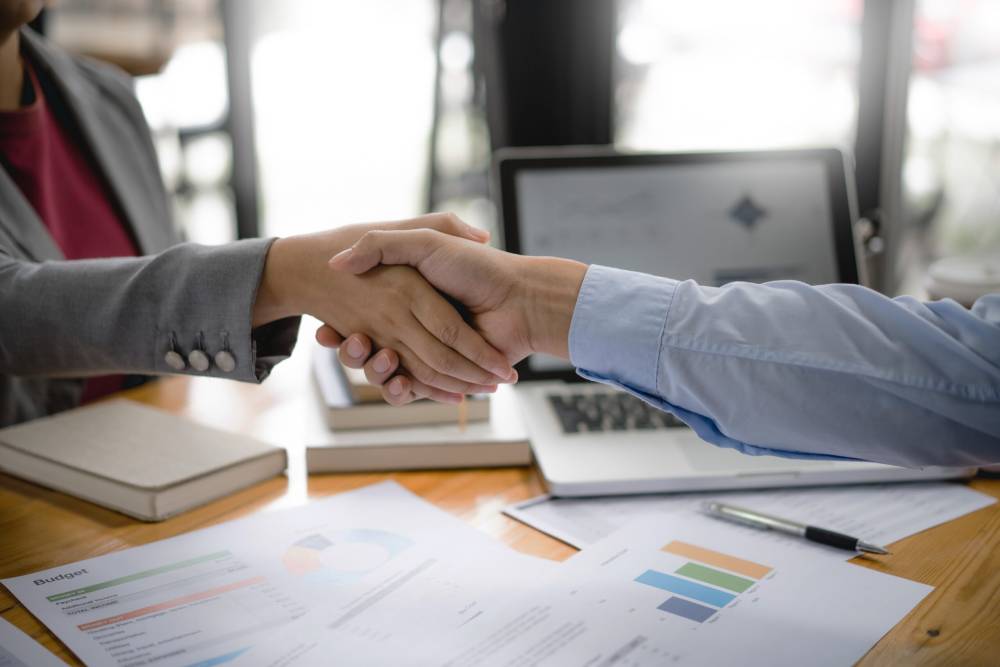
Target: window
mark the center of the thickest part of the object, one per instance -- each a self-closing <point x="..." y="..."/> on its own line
<point x="951" y="177"/>
<point x="730" y="74"/>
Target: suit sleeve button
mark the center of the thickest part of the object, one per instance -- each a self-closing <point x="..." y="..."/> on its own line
<point x="174" y="360"/>
<point x="225" y="361"/>
<point x="198" y="360"/>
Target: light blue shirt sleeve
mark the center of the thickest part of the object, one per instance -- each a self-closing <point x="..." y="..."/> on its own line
<point x="785" y="368"/>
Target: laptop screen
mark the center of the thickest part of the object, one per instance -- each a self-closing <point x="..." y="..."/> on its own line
<point x="714" y="221"/>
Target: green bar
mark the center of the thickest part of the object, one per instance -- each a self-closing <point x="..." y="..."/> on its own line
<point x="715" y="577"/>
<point x="137" y="575"/>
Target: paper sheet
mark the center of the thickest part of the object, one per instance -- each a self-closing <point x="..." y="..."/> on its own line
<point x="19" y="650"/>
<point x="378" y="576"/>
<point x="695" y="592"/>
<point x="373" y="571"/>
<point x="878" y="513"/>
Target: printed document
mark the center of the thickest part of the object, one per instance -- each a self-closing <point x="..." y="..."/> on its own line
<point x="19" y="650"/>
<point x="877" y="513"/>
<point x="378" y="576"/>
<point x="694" y="592"/>
<point x="372" y="570"/>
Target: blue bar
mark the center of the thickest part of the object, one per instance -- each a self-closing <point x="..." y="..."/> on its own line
<point x="222" y="659"/>
<point x="688" y="589"/>
<point x="690" y="610"/>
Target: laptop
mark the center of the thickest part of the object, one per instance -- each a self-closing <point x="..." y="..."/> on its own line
<point x="712" y="217"/>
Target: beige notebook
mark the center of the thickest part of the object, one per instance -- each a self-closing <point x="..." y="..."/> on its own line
<point x="135" y="459"/>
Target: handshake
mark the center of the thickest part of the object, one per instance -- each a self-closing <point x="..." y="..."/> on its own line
<point x="378" y="290"/>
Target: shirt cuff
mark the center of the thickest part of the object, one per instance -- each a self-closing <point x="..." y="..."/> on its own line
<point x="617" y="326"/>
<point x="273" y="343"/>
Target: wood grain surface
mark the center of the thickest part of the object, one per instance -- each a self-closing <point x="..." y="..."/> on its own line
<point x="958" y="624"/>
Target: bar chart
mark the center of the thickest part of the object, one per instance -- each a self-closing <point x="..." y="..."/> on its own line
<point x="708" y="580"/>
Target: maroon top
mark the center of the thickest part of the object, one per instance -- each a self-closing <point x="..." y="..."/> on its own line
<point x="60" y="181"/>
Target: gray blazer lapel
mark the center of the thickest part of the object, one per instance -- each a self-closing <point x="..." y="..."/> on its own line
<point x="134" y="185"/>
<point x="22" y="224"/>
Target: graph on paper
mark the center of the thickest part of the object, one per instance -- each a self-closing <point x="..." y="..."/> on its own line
<point x="705" y="582"/>
<point x="373" y="572"/>
<point x="693" y="591"/>
<point x="343" y="556"/>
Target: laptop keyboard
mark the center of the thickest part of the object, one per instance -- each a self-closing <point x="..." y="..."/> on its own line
<point x="601" y="413"/>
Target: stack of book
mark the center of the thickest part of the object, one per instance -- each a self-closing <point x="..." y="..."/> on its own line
<point x="368" y="434"/>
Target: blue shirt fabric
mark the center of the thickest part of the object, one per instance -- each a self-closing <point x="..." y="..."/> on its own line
<point x="790" y="369"/>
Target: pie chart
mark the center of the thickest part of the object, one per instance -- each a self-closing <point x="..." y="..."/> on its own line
<point x="344" y="555"/>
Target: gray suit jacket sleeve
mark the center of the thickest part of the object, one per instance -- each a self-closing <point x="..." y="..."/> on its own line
<point x="122" y="315"/>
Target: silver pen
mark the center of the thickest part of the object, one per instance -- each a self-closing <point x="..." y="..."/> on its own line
<point x="811" y="533"/>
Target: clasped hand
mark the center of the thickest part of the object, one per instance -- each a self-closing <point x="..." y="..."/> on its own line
<point x="389" y="308"/>
<point x="518" y="305"/>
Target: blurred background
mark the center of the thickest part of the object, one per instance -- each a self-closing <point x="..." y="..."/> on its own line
<point x="276" y="118"/>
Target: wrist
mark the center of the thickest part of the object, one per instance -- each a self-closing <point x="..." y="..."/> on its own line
<point x="551" y="286"/>
<point x="276" y="297"/>
<point x="297" y="279"/>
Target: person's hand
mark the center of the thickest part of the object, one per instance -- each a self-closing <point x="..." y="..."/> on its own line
<point x="519" y="304"/>
<point x="392" y="307"/>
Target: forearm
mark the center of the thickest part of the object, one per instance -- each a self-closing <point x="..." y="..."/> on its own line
<point x="77" y="318"/>
<point x="788" y="368"/>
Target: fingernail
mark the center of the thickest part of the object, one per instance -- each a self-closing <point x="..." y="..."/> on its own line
<point x="381" y="364"/>
<point x="355" y="349"/>
<point x="396" y="387"/>
<point x="477" y="234"/>
<point x="341" y="257"/>
<point x="505" y="374"/>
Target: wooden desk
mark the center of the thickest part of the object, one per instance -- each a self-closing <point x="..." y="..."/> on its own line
<point x="958" y="624"/>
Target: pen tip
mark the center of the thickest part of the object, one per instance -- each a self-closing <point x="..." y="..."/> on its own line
<point x="872" y="549"/>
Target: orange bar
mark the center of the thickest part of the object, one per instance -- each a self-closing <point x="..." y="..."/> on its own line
<point x="176" y="602"/>
<point x="709" y="557"/>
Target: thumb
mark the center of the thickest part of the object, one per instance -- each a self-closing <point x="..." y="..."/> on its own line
<point x="409" y="247"/>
